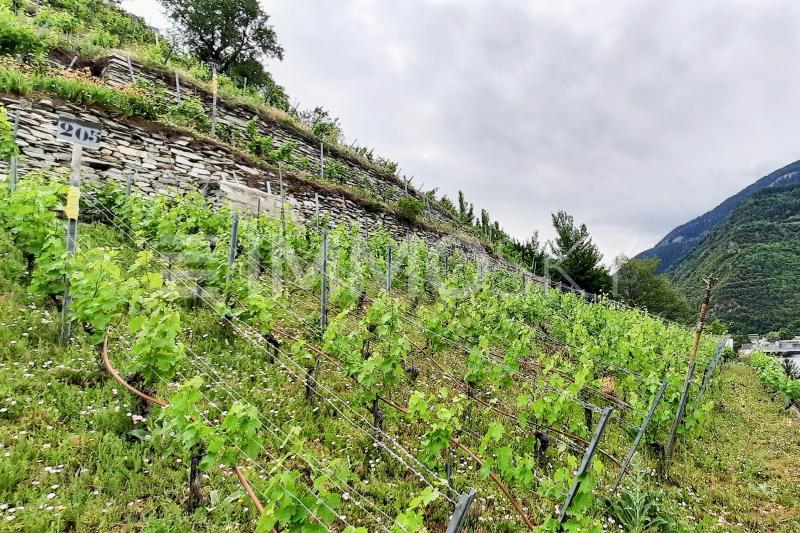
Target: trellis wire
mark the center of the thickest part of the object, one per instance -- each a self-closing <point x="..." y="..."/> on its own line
<point x="316" y="382"/>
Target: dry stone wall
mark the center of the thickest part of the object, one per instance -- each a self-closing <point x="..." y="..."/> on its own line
<point x="161" y="161"/>
<point x="117" y="73"/>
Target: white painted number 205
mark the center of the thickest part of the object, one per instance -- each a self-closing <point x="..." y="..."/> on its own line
<point x="80" y="133"/>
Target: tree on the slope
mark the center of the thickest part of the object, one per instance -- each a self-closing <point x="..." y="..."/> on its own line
<point x="466" y="211"/>
<point x="229" y="32"/>
<point x="638" y="284"/>
<point x="323" y="124"/>
<point x="533" y="254"/>
<point x="577" y="258"/>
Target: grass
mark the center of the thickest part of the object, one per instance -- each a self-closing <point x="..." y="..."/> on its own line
<point x="70" y="461"/>
<point x="743" y="473"/>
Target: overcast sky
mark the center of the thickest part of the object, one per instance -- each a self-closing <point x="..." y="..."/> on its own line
<point x="634" y="116"/>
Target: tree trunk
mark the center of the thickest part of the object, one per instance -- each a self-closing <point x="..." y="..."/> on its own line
<point x="377" y="420"/>
<point x="196" y="496"/>
<point x="275" y="344"/>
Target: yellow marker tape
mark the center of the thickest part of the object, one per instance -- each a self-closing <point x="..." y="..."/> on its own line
<point x="73" y="201"/>
<point x="214" y="82"/>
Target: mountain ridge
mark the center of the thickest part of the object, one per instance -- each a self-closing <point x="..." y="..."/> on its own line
<point x="679" y="242"/>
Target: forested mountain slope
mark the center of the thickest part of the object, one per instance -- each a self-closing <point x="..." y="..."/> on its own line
<point x="755" y="253"/>
<point x="682" y="240"/>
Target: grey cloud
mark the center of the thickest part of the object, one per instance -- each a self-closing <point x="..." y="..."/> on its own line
<point x="633" y="116"/>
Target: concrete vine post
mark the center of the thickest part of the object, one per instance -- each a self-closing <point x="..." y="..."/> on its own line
<point x="71" y="211"/>
<point x="321" y="160"/>
<point x="79" y="133"/>
<point x="213" y="99"/>
<point x="283" y="203"/>
<point x="710" y="280"/>
<point x="14" y="163"/>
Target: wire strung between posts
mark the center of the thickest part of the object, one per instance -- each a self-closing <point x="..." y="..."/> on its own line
<point x="283" y="435"/>
<point x="537" y="332"/>
<point x="316" y="382"/>
<point x="538" y="386"/>
<point x="256" y="265"/>
<point x="318" y="469"/>
<point x="250" y="459"/>
<point x="619" y="416"/>
<point x="407" y="319"/>
<point x="260" y="339"/>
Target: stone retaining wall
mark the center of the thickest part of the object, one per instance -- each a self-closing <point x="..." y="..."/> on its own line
<point x="117" y="73"/>
<point x="161" y="161"/>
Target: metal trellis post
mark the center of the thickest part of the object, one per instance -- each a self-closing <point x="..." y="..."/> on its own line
<point x="129" y="184"/>
<point x="459" y="518"/>
<point x="711" y="368"/>
<point x="316" y="209"/>
<point x="389" y="267"/>
<point x="628" y="458"/>
<point x="587" y="461"/>
<point x="283" y="202"/>
<point x="232" y="246"/>
<point x="323" y="297"/>
<point x="130" y="70"/>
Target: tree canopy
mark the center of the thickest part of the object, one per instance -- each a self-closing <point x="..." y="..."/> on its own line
<point x="577" y="259"/>
<point x="638" y="284"/>
<point x="228" y="32"/>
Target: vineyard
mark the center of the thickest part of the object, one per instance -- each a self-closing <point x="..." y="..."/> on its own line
<point x="342" y="381"/>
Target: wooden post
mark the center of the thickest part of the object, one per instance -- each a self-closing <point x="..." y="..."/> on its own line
<point x="178" y="86"/>
<point x="710" y="280"/>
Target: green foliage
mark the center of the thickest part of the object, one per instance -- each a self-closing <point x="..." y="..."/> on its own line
<point x="577" y="258"/>
<point x="155" y="347"/>
<point x="754" y="254"/>
<point x="191" y="113"/>
<point x="18" y="40"/>
<point x="637" y="284"/>
<point x="410" y="208"/>
<point x="7" y="145"/>
<point x="228" y="32"/>
<point x="772" y="373"/>
<point x="322" y="124"/>
<point x="80" y="92"/>
<point x="637" y="509"/>
<point x="335" y="170"/>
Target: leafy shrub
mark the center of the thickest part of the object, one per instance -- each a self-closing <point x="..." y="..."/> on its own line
<point x="771" y="372"/>
<point x="638" y="509"/>
<point x="410" y="208"/>
<point x="16" y="39"/>
<point x="335" y="169"/>
<point x="104" y="39"/>
<point x="190" y="112"/>
<point x="7" y="145"/>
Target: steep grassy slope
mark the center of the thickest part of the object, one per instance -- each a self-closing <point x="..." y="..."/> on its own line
<point x="683" y="239"/>
<point x="755" y="254"/>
